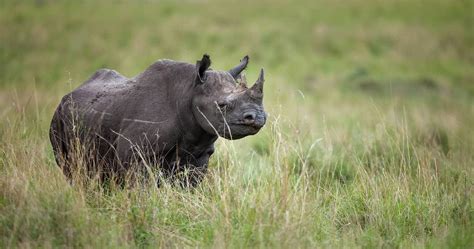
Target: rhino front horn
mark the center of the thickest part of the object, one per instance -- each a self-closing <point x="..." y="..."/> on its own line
<point x="257" y="88"/>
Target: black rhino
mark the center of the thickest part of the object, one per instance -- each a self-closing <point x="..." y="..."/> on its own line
<point x="170" y="115"/>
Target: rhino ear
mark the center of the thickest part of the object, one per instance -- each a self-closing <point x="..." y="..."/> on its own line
<point x="201" y="67"/>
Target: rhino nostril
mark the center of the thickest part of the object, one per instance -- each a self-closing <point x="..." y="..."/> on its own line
<point x="249" y="117"/>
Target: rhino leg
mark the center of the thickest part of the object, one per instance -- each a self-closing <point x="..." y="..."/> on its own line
<point x="59" y="142"/>
<point x="189" y="172"/>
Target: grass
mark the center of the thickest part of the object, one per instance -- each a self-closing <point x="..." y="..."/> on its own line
<point x="369" y="141"/>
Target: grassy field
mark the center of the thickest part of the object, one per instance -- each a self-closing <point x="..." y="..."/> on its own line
<point x="369" y="142"/>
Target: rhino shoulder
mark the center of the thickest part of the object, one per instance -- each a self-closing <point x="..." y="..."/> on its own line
<point x="163" y="63"/>
<point x="106" y="75"/>
<point x="166" y="64"/>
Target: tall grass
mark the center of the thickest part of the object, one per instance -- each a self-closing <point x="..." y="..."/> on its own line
<point x="363" y="188"/>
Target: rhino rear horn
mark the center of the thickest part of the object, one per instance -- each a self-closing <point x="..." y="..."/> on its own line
<point x="257" y="88"/>
<point x="239" y="68"/>
<point x="201" y="67"/>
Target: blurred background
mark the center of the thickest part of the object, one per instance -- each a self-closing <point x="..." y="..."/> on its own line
<point x="348" y="85"/>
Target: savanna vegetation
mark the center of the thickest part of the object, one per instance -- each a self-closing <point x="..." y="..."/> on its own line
<point x="369" y="141"/>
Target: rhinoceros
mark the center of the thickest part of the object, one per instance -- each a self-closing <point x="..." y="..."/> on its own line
<point x="168" y="116"/>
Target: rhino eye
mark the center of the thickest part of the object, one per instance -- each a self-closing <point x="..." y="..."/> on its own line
<point x="222" y="105"/>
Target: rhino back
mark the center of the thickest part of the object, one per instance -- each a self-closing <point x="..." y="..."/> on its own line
<point x="133" y="111"/>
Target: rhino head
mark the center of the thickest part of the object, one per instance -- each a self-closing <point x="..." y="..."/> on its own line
<point x="223" y="103"/>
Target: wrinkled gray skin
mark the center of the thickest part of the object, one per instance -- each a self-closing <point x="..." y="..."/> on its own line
<point x="169" y="115"/>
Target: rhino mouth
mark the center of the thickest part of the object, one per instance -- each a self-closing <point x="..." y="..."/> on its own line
<point x="239" y="130"/>
<point x="252" y="127"/>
